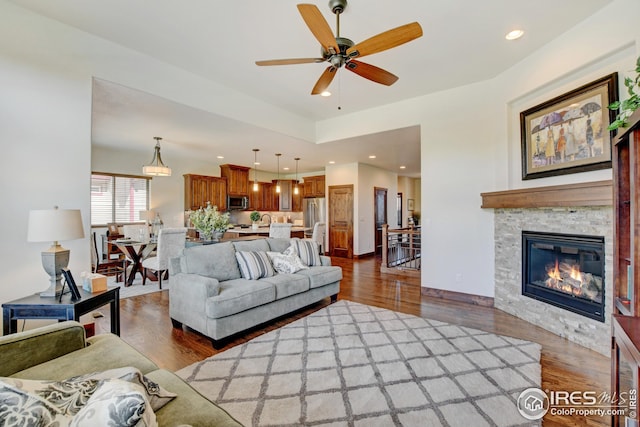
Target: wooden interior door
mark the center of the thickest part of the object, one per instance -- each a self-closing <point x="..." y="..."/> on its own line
<point x="380" y="216"/>
<point x="341" y="221"/>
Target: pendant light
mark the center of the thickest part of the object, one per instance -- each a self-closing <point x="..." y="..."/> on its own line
<point x="255" y="169"/>
<point x="278" y="183"/>
<point x="295" y="189"/>
<point x="156" y="167"/>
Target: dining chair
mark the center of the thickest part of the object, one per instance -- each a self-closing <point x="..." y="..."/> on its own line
<point x="109" y="267"/>
<point x="318" y="234"/>
<point x="171" y="242"/>
<point x="280" y="230"/>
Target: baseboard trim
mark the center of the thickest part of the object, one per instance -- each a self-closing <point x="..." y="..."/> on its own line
<point x="367" y="255"/>
<point x="458" y="296"/>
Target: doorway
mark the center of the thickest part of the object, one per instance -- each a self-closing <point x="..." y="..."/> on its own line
<point x="380" y="216"/>
<point x="341" y="221"/>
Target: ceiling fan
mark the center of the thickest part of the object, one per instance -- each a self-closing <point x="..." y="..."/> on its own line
<point x="340" y="51"/>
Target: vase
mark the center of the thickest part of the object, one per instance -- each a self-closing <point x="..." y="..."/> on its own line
<point x="217" y="235"/>
<point x="254" y="226"/>
<point x="206" y="236"/>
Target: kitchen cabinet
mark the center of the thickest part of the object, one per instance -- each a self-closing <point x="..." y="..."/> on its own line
<point x="285" y="197"/>
<point x="200" y="189"/>
<point x="626" y="205"/>
<point x="314" y="186"/>
<point x="237" y="179"/>
<point x="296" y="201"/>
<point x="270" y="200"/>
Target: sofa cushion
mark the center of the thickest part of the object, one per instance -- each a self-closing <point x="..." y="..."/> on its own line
<point x="308" y="251"/>
<point x="257" y="245"/>
<point x="322" y="275"/>
<point x="254" y="265"/>
<point x="239" y="295"/>
<point x="286" y="263"/>
<point x="278" y="245"/>
<point x="288" y="284"/>
<point x="110" y="350"/>
<point x="217" y="261"/>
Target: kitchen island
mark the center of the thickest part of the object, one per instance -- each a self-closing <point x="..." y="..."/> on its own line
<point x="262" y="231"/>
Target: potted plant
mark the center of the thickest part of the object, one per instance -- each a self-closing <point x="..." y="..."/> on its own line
<point x="210" y="221"/>
<point x="628" y="106"/>
<point x="254" y="217"/>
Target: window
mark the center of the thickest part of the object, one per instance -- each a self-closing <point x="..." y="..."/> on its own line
<point x="118" y="198"/>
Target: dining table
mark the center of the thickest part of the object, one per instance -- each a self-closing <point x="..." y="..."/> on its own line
<point x="136" y="252"/>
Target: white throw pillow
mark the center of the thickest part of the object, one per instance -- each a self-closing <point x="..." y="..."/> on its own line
<point x="254" y="265"/>
<point x="286" y="263"/>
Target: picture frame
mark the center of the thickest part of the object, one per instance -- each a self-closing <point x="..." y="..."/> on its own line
<point x="568" y="134"/>
<point x="68" y="279"/>
<point x="410" y="206"/>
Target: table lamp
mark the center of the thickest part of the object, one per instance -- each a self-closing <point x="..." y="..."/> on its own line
<point x="53" y="225"/>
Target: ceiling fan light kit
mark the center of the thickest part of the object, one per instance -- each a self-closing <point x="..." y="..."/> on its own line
<point x="341" y="52"/>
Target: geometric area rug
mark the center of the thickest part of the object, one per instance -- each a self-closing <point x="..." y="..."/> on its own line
<point x="350" y="364"/>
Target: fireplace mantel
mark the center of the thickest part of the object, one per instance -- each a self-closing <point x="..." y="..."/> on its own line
<point x="596" y="193"/>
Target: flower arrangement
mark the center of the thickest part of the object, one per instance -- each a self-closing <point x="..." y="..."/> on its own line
<point x="209" y="220"/>
<point x="628" y="106"/>
<point x="254" y="216"/>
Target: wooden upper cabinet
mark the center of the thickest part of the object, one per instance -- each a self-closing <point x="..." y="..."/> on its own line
<point x="285" y="196"/>
<point x="270" y="200"/>
<point x="314" y="186"/>
<point x="237" y="179"/>
<point x="200" y="189"/>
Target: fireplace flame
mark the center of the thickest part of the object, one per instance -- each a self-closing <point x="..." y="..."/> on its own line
<point x="569" y="279"/>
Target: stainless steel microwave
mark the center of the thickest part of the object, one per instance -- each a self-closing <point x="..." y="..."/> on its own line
<point x="237" y="202"/>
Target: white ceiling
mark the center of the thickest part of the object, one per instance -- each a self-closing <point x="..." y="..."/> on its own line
<point x="463" y="42"/>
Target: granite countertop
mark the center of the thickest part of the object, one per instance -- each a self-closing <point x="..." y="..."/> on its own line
<point x="263" y="230"/>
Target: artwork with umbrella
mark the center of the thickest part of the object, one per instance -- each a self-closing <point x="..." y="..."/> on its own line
<point x="568" y="134"/>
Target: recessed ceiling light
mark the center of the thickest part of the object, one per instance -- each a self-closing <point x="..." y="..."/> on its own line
<point x="331" y="162"/>
<point x="325" y="93"/>
<point x="221" y="157"/>
<point x="513" y="35"/>
<point x="372" y="156"/>
<point x="403" y="167"/>
<point x="285" y="168"/>
<point x="256" y="163"/>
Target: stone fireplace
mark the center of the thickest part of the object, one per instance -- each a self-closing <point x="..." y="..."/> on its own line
<point x="588" y="214"/>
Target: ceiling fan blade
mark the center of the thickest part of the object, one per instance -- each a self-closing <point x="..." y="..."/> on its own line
<point x="290" y="61"/>
<point x="387" y="40"/>
<point x="318" y="26"/>
<point x="371" y="72"/>
<point x="324" y="81"/>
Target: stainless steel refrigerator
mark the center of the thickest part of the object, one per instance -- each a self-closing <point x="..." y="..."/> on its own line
<point x="313" y="210"/>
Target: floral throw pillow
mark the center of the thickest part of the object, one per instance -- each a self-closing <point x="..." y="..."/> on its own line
<point x="286" y="263"/>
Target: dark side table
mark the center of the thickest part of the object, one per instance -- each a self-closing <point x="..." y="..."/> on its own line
<point x="37" y="307"/>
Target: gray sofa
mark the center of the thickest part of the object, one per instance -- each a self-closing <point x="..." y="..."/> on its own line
<point x="209" y="294"/>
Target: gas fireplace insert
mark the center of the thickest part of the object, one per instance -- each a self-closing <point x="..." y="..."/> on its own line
<point x="565" y="270"/>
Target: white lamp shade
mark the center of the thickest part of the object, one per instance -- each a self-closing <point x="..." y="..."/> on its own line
<point x="52" y="225"/>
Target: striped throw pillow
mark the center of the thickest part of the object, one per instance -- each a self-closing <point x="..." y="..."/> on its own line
<point x="254" y="265"/>
<point x="308" y="251"/>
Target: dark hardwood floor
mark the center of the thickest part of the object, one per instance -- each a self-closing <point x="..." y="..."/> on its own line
<point x="566" y="366"/>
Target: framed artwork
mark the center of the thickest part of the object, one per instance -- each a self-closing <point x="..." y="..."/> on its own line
<point x="568" y="134"/>
<point x="409" y="204"/>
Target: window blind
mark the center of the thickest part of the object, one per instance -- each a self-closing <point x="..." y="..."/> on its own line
<point x="118" y="198"/>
